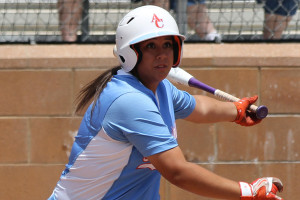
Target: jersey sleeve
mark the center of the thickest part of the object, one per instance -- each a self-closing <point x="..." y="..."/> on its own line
<point x="184" y="103"/>
<point x="135" y="118"/>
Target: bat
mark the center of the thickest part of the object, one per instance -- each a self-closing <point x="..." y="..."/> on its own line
<point x="180" y="76"/>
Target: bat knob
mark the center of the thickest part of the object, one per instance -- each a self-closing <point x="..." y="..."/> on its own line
<point x="261" y="112"/>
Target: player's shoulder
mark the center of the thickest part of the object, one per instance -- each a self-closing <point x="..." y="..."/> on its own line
<point x="167" y="84"/>
<point x="134" y="100"/>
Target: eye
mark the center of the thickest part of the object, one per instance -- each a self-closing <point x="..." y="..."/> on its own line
<point x="168" y="44"/>
<point x="150" y="45"/>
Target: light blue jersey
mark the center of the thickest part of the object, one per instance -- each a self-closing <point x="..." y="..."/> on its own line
<point x="129" y="123"/>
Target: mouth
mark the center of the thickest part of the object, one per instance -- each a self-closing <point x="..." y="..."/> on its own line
<point x="161" y="66"/>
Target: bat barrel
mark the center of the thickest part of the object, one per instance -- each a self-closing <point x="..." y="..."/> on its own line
<point x="261" y="112"/>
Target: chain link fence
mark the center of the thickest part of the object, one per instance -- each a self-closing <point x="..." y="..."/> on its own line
<point x="90" y="21"/>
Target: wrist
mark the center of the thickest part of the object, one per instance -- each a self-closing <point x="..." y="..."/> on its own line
<point x="239" y="112"/>
<point x="246" y="191"/>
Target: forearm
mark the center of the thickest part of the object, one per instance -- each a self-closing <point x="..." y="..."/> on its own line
<point x="205" y="183"/>
<point x="193" y="178"/>
<point x="210" y="110"/>
<point x="196" y="179"/>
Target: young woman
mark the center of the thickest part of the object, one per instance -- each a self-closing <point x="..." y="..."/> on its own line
<point x="127" y="138"/>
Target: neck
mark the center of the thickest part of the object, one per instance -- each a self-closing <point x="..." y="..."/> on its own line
<point x="151" y="87"/>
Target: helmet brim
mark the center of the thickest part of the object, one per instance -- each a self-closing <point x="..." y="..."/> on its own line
<point x="154" y="35"/>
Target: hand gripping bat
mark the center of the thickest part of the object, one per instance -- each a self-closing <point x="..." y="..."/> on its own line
<point x="179" y="75"/>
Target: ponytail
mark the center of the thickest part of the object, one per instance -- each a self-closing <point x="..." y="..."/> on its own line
<point x="94" y="88"/>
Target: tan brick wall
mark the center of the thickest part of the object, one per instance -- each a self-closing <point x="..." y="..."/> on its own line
<point x="39" y="84"/>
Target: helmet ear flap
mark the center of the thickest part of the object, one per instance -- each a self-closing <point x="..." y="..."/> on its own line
<point x="127" y="58"/>
<point x="138" y="53"/>
<point x="115" y="52"/>
<point x="177" y="49"/>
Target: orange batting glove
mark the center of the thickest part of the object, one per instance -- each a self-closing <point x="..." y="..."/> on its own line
<point x="244" y="116"/>
<point x="261" y="189"/>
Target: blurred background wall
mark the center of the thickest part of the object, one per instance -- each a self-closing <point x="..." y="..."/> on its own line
<point x="50" y="49"/>
<point x="39" y="84"/>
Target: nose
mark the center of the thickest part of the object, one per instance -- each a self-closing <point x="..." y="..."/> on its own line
<point x="161" y="53"/>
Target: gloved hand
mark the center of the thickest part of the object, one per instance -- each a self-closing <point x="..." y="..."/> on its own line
<point x="261" y="189"/>
<point x="245" y="117"/>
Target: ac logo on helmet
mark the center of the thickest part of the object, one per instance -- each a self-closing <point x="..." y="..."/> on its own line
<point x="158" y="22"/>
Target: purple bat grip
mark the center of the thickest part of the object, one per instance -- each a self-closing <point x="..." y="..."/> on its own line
<point x="196" y="83"/>
<point x="261" y="111"/>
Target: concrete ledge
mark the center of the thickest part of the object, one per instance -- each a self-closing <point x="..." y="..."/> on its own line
<point x="56" y="56"/>
<point x="195" y="55"/>
<point x="242" y="55"/>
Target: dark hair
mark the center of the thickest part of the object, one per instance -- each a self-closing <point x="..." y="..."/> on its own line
<point x="94" y="88"/>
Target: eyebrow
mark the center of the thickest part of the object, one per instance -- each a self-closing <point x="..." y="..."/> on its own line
<point x="166" y="38"/>
<point x="146" y="42"/>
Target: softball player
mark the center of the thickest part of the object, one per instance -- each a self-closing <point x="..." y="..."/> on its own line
<point x="127" y="138"/>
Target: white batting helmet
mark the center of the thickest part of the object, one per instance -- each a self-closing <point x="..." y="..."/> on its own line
<point x="141" y="24"/>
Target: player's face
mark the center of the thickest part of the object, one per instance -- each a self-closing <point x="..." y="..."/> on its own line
<point x="156" y="62"/>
